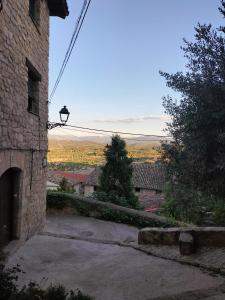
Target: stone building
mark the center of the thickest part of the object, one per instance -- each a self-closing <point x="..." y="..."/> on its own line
<point x="24" y="46"/>
<point x="148" y="181"/>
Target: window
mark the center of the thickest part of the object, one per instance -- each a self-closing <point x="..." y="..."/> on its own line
<point x="34" y="10"/>
<point x="137" y="190"/>
<point x="33" y="89"/>
<point x="95" y="188"/>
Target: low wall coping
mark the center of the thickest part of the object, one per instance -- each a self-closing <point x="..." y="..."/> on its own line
<point x="203" y="236"/>
<point x="131" y="211"/>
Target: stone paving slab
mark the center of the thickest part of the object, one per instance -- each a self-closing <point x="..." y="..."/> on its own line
<point x="212" y="259"/>
<point x="108" y="272"/>
<point x="218" y="297"/>
<point x="84" y="227"/>
<point x="207" y="294"/>
<point x="109" y="269"/>
<point x="94" y="230"/>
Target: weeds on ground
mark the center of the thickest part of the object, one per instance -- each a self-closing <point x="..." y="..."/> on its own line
<point x="9" y="289"/>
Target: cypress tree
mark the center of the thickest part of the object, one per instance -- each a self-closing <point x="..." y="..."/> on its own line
<point x="116" y="178"/>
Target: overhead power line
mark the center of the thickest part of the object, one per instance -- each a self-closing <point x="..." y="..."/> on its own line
<point x="73" y="40"/>
<point x="119" y="132"/>
<point x="82" y="130"/>
<point x="106" y="135"/>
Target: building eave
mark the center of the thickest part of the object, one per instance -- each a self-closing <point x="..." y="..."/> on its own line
<point x="58" y="8"/>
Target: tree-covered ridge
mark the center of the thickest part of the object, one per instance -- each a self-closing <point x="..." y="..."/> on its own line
<point x="92" y="153"/>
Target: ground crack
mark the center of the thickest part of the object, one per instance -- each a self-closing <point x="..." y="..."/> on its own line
<point x="85" y="239"/>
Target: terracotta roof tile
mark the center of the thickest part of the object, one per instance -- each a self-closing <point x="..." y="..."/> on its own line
<point x="145" y="176"/>
<point x="74" y="177"/>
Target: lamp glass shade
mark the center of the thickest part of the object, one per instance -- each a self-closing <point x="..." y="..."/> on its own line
<point x="64" y="114"/>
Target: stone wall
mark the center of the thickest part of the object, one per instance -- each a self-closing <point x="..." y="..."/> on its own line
<point x="23" y="135"/>
<point x="150" y="198"/>
<point x="202" y="236"/>
<point x="89" y="207"/>
<point x="88" y="190"/>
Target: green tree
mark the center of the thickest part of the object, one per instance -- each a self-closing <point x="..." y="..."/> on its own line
<point x="116" y="178"/>
<point x="65" y="186"/>
<point x="196" y="157"/>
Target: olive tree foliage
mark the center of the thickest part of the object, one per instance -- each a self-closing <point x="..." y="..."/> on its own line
<point x="196" y="156"/>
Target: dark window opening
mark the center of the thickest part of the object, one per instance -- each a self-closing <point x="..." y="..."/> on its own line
<point x="137" y="190"/>
<point x="33" y="89"/>
<point x="95" y="188"/>
<point x="34" y="10"/>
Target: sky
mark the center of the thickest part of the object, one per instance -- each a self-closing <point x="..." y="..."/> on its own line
<point x="112" y="80"/>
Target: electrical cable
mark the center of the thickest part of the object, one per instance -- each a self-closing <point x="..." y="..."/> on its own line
<point x="68" y="50"/>
<point x="118" y="132"/>
<point x="73" y="40"/>
<point x="109" y="136"/>
<point x="85" y="131"/>
<point x="98" y="131"/>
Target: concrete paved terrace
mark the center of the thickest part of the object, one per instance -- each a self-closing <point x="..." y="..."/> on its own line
<point x="98" y="257"/>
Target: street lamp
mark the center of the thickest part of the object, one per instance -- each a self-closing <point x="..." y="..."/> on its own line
<point x="64" y="116"/>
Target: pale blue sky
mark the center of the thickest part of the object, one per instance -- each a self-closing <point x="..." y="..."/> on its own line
<point x="112" y="80"/>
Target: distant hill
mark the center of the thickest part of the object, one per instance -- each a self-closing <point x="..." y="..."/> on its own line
<point x="139" y="140"/>
<point x="91" y="152"/>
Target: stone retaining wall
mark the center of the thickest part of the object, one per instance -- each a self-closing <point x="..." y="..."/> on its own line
<point x="203" y="236"/>
<point x="107" y="211"/>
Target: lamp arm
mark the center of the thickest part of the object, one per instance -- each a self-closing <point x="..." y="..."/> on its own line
<point x="51" y="125"/>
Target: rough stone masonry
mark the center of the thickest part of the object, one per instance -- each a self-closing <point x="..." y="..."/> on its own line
<point x="24" y="46"/>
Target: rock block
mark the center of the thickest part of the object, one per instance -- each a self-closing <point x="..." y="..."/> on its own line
<point x="186" y="243"/>
<point x="159" y="236"/>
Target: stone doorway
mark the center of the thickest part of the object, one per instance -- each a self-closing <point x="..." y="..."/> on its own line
<point x="9" y="204"/>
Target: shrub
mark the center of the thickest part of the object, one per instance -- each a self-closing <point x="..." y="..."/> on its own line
<point x="57" y="200"/>
<point x="10" y="291"/>
<point x="115" y="199"/>
<point x="188" y="205"/>
<point x="134" y="220"/>
<point x="218" y="209"/>
<point x="181" y="203"/>
<point x="7" y="282"/>
<point x="65" y="186"/>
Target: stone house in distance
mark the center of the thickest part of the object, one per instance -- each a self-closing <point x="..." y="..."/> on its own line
<point x="76" y="180"/>
<point x="24" y="46"/>
<point x="148" y="181"/>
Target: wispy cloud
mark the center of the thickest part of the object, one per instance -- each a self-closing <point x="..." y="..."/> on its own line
<point x="133" y="119"/>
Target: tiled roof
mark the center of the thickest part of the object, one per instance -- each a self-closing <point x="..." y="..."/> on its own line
<point x="149" y="176"/>
<point x="145" y="176"/>
<point x="73" y="177"/>
<point x="58" y="8"/>
<point x="93" y="178"/>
